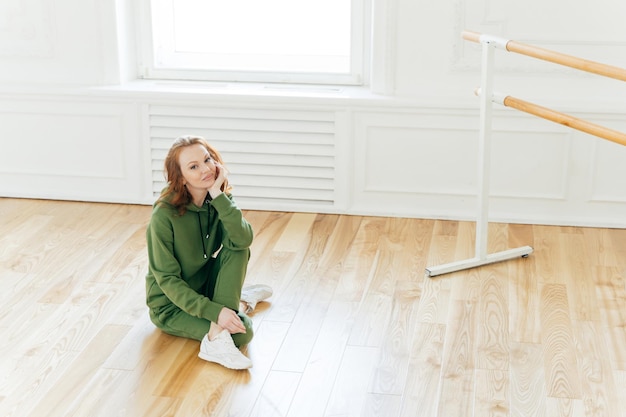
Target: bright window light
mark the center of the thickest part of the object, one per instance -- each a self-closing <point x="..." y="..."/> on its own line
<point x="293" y="38"/>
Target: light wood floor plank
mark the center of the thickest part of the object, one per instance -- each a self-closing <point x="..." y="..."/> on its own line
<point x="563" y="379"/>
<point x="360" y="261"/>
<point x="316" y="383"/>
<point x="381" y="405"/>
<point x="458" y="376"/>
<point x="293" y="236"/>
<point x="303" y="278"/>
<point x="435" y="299"/>
<point x="269" y="336"/>
<point x="620" y="382"/>
<point x="71" y="387"/>
<point x="354" y="327"/>
<point x="492" y="336"/>
<point x="349" y="392"/>
<point x="391" y="372"/>
<point x="577" y="270"/>
<point x="377" y="303"/>
<point x="524" y="301"/>
<point x="528" y="381"/>
<point x="275" y="397"/>
<point x="421" y="392"/>
<point x="97" y="394"/>
<point x="564" y="407"/>
<point x="315" y="302"/>
<point x="265" y="236"/>
<point x="492" y="393"/>
<point x="18" y="234"/>
<point x="599" y="393"/>
<point x="616" y="340"/>
<point x="31" y="379"/>
<point x="549" y="253"/>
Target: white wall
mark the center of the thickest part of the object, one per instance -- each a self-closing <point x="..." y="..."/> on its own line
<point x="73" y="127"/>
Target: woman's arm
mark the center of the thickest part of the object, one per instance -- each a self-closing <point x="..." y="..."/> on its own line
<point x="237" y="233"/>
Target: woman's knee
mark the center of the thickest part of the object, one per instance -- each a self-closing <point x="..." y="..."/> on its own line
<point x="229" y="274"/>
<point x="242" y="339"/>
<point x="178" y="323"/>
<point x="233" y="260"/>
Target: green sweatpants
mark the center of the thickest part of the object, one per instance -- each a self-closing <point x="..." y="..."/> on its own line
<point x="224" y="287"/>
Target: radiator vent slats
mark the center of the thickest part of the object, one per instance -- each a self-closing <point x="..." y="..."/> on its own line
<point x="279" y="159"/>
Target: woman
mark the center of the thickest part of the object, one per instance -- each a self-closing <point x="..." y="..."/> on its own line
<point x="198" y="249"/>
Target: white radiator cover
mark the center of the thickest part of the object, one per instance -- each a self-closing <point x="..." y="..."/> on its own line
<point x="277" y="158"/>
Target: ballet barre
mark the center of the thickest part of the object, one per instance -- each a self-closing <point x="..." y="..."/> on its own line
<point x="487" y="96"/>
<point x="547" y="55"/>
<point x="561" y="118"/>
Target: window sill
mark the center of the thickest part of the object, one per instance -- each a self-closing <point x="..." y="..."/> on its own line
<point x="237" y="92"/>
<point x="326" y="95"/>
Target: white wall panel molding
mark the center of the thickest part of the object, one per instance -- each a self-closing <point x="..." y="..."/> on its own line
<point x="608" y="173"/>
<point x="422" y="153"/>
<point x="424" y="165"/>
<point x="408" y="161"/>
<point x="79" y="150"/>
<point x="413" y="164"/>
<point x="530" y="164"/>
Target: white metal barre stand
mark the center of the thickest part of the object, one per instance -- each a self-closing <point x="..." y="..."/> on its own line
<point x="484" y="164"/>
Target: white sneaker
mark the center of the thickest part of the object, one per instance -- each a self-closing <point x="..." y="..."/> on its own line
<point x="222" y="350"/>
<point x="254" y="294"/>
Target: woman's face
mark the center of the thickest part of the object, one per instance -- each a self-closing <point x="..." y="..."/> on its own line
<point x="197" y="167"/>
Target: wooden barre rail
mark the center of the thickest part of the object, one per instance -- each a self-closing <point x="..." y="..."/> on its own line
<point x="556" y="57"/>
<point x="564" y="119"/>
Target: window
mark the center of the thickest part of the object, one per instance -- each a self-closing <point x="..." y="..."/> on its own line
<point x="293" y="41"/>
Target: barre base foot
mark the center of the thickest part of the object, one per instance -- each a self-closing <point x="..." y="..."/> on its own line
<point x="523" y="252"/>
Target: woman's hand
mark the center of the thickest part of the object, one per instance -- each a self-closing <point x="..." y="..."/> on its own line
<point x="222" y="174"/>
<point x="230" y="321"/>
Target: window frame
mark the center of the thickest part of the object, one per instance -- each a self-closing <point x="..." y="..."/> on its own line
<point x="358" y="75"/>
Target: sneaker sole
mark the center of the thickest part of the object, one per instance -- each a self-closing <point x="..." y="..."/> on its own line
<point x="229" y="366"/>
<point x="265" y="294"/>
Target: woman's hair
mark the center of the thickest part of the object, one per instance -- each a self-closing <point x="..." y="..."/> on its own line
<point x="176" y="193"/>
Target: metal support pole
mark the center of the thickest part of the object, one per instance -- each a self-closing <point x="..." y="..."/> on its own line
<point x="484" y="149"/>
<point x="484" y="167"/>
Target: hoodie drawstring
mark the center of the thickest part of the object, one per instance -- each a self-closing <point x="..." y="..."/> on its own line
<point x="202" y="236"/>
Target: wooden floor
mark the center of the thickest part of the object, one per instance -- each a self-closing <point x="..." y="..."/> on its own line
<point x="354" y="327"/>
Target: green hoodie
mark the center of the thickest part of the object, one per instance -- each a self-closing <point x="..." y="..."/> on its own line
<point x="179" y="252"/>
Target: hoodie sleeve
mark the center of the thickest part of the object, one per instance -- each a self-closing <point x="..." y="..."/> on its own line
<point x="237" y="233"/>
